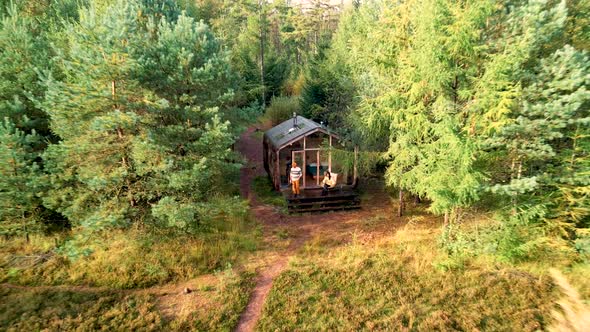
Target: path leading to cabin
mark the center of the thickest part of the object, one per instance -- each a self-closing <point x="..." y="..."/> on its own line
<point x="339" y="226"/>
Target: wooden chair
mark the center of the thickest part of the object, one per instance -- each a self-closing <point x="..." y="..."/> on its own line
<point x="337" y="186"/>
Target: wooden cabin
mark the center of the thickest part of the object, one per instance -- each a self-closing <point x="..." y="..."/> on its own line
<point x="304" y="141"/>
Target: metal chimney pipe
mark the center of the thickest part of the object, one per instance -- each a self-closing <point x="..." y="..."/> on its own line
<point x="294" y="120"/>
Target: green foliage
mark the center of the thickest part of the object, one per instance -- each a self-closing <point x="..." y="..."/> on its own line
<point x="281" y="109"/>
<point x="415" y="92"/>
<point x="472" y="100"/>
<point x="266" y="193"/>
<point x="141" y="143"/>
<point x="132" y="259"/>
<point x="327" y="93"/>
<point x="270" y="40"/>
<point x="539" y="126"/>
<point x="21" y="181"/>
<point x="24" y="49"/>
<point x="582" y="246"/>
<point x="181" y="61"/>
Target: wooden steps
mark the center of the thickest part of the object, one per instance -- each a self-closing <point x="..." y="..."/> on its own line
<point x="312" y="201"/>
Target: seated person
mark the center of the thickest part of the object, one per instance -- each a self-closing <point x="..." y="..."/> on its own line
<point x="327" y="182"/>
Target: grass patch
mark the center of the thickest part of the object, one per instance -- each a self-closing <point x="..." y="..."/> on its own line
<point x="64" y="310"/>
<point x="259" y="134"/>
<point x="265" y="193"/>
<point x="223" y="313"/>
<point x="60" y="309"/>
<point x="396" y="285"/>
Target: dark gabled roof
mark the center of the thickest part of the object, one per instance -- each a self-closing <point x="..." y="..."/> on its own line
<point x="285" y="132"/>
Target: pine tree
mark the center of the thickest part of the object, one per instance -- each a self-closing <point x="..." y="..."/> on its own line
<point x="23" y="51"/>
<point x="135" y="135"/>
<point x="21" y="181"/>
<point x="184" y="63"/>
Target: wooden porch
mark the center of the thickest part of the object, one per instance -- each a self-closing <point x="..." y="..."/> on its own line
<point x="311" y="200"/>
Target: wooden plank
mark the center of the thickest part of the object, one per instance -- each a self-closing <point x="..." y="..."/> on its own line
<point x="350" y="207"/>
<point x="320" y="199"/>
<point x="322" y="203"/>
<point x="277" y="173"/>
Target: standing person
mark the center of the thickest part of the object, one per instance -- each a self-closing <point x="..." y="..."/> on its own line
<point x="294" y="178"/>
<point x="327" y="182"/>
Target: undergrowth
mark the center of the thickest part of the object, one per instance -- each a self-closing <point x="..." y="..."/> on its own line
<point x="281" y="109"/>
<point x="130" y="258"/>
<point x="265" y="193"/>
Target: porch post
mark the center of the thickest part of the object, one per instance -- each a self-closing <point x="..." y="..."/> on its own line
<point x="317" y="182"/>
<point x="304" y="161"/>
<point x="330" y="156"/>
<point x="277" y="172"/>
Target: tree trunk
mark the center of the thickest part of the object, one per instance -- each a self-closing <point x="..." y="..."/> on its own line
<point x="121" y="135"/>
<point x="446" y="219"/>
<point x="260" y="4"/>
<point x="25" y="226"/>
<point x="513" y="199"/>
<point x="400" y="210"/>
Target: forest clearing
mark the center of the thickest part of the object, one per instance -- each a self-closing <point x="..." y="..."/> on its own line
<point x="257" y="165"/>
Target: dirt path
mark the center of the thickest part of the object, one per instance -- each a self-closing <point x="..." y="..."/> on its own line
<point x="338" y="226"/>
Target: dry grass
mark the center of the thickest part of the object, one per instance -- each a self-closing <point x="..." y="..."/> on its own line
<point x="126" y="259"/>
<point x="134" y="258"/>
<point x="396" y="284"/>
<point x="574" y="315"/>
<point x="215" y="307"/>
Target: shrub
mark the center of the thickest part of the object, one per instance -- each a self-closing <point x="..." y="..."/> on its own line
<point x="281" y="109"/>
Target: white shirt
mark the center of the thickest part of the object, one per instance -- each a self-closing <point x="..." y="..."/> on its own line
<point x="295" y="173"/>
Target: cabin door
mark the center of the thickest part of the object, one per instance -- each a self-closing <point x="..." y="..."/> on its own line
<point x="299" y="158"/>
